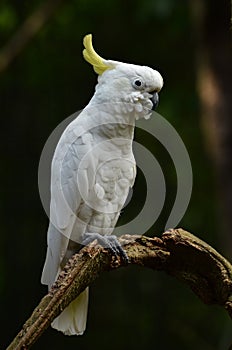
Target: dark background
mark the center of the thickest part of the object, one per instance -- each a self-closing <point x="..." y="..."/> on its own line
<point x="43" y="80"/>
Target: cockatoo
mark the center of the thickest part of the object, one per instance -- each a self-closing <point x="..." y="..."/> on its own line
<point x="93" y="168"/>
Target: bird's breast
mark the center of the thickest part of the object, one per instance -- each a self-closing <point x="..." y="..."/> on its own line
<point x="112" y="178"/>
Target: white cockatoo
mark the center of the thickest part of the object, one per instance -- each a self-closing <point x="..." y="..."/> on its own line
<point x="93" y="168"/>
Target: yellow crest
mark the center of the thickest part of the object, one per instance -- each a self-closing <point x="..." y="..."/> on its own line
<point x="92" y="57"/>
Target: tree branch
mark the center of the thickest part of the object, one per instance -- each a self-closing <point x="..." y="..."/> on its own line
<point x="27" y="31"/>
<point x="177" y="252"/>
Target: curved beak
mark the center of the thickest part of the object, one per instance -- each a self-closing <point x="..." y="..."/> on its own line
<point x="155" y="100"/>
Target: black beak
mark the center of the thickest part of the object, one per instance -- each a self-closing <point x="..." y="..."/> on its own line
<point x="155" y="100"/>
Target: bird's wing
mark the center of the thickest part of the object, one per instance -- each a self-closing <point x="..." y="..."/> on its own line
<point x="65" y="195"/>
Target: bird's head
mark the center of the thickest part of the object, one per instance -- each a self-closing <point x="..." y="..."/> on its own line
<point x="132" y="88"/>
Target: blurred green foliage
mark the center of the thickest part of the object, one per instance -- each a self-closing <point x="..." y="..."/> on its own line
<point x="49" y="80"/>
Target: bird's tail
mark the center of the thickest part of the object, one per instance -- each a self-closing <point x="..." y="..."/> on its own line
<point x="72" y="321"/>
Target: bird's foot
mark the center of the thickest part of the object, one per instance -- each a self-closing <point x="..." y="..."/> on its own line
<point x="110" y="242"/>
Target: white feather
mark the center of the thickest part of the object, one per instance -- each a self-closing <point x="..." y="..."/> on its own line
<point x="92" y="170"/>
<point x="72" y="321"/>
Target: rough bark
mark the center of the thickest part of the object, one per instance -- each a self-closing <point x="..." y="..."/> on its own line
<point x="177" y="252"/>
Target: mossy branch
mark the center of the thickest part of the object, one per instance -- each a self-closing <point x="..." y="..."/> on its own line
<point x="177" y="252"/>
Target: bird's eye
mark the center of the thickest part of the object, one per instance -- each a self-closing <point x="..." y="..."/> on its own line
<point x="138" y="83"/>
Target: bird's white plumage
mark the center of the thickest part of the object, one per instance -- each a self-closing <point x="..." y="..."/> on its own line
<point x="92" y="170"/>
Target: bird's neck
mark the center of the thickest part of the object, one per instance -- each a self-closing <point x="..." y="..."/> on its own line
<point x="111" y="121"/>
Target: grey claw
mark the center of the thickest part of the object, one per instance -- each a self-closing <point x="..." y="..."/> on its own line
<point x="118" y="248"/>
<point x="110" y="242"/>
